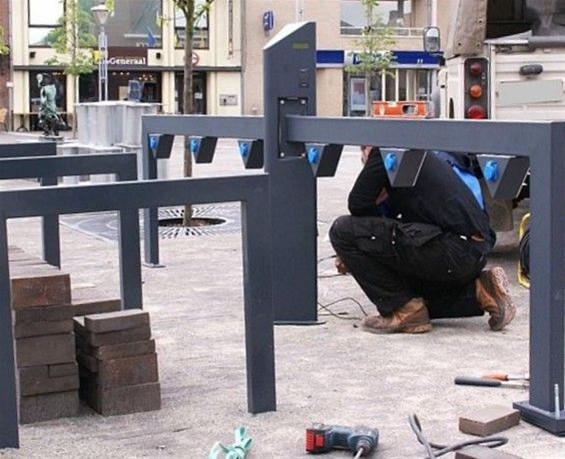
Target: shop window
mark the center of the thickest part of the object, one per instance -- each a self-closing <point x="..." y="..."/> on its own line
<point x="392" y="13"/>
<point x="43" y="18"/>
<point x="135" y="23"/>
<point x="201" y="38"/>
<point x="36" y="80"/>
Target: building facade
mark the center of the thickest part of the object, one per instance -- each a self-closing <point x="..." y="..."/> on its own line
<point x="145" y="40"/>
<point x="5" y="65"/>
<point x="339" y="27"/>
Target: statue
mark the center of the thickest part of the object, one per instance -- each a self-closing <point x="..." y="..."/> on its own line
<point x="49" y="120"/>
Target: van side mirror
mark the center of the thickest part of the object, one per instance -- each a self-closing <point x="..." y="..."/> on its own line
<point x="432" y="40"/>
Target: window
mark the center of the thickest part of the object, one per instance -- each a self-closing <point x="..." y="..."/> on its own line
<point x="392" y="13"/>
<point x="135" y="23"/>
<point x="43" y="18"/>
<point x="201" y="39"/>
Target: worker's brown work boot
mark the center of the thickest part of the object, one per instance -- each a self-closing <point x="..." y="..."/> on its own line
<point x="494" y="297"/>
<point x="413" y="317"/>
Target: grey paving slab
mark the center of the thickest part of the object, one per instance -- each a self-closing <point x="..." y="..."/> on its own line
<point x="331" y="373"/>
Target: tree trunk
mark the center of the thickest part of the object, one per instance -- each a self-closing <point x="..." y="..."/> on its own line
<point x="74" y="110"/>
<point x="188" y="104"/>
<point x="368" y="101"/>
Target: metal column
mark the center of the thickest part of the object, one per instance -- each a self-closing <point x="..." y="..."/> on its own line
<point x="290" y="89"/>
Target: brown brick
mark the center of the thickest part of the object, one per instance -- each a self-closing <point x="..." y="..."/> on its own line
<point x="45" y="350"/>
<point x="87" y="361"/>
<point x="490" y="420"/>
<point x="45" y="313"/>
<point x="115" y="321"/>
<point x="123" y="400"/>
<point x="38" y="408"/>
<point x="91" y="300"/>
<point x="116" y="337"/>
<point x="39" y="287"/>
<point x="118" y="351"/>
<point x="27" y="329"/>
<point x="124" y="372"/>
<point x="36" y="380"/>
<point x="482" y="452"/>
<point x="63" y="369"/>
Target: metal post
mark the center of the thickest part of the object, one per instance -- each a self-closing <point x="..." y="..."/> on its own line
<point x="290" y="88"/>
<point x="9" y="437"/>
<point x="50" y="233"/>
<point x="104" y="59"/>
<point x="257" y="281"/>
<point x="547" y="302"/>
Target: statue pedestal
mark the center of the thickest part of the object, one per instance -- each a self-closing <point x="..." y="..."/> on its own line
<point x="54" y="138"/>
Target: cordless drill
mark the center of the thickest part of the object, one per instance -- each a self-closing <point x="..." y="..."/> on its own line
<point x="360" y="440"/>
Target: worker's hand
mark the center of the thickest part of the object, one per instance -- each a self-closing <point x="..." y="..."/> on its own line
<point x="340" y="266"/>
<point x="365" y="152"/>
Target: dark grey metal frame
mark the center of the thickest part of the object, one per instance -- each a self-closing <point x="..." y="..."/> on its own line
<point x="50" y="224"/>
<point x="49" y="169"/>
<point x="288" y="86"/>
<point x="252" y="191"/>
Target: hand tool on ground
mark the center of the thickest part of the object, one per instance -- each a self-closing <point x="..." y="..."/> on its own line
<point x="238" y="450"/>
<point x="474" y="381"/>
<point x="506" y="376"/>
<point x="360" y="440"/>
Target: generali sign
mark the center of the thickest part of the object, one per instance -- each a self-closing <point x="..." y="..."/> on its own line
<point x="127" y="57"/>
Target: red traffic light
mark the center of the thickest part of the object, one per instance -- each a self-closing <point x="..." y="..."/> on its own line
<point x="476" y="69"/>
<point x="476" y="112"/>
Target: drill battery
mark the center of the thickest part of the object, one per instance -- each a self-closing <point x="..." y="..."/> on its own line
<point x="322" y="438"/>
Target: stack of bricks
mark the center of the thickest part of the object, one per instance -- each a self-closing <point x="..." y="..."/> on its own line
<point x="44" y="340"/>
<point x="117" y="362"/>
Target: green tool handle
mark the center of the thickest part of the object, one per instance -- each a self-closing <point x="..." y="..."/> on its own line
<point x="473" y="381"/>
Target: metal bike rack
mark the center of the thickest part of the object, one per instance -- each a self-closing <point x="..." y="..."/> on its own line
<point x="124" y="166"/>
<point x="50" y="224"/>
<point x="289" y="64"/>
<point x="252" y="191"/>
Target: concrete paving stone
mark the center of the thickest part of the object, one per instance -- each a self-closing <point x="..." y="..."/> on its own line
<point x="63" y="369"/>
<point x="110" y="338"/>
<point x="124" y="372"/>
<point x="56" y="313"/>
<point x="33" y="286"/>
<point x="115" y="321"/>
<point x="44" y="407"/>
<point x="28" y="329"/>
<point x="482" y="452"/>
<point x="93" y="300"/>
<point x="34" y="382"/>
<point x="45" y="350"/>
<point x="488" y="420"/>
<point x="122" y="400"/>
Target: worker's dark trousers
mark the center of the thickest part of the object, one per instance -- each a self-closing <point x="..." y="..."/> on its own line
<point x="394" y="262"/>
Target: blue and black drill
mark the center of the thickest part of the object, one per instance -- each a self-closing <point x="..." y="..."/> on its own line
<point x="360" y="440"/>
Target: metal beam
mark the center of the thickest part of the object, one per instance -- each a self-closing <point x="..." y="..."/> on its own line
<point x="502" y="137"/>
<point x="225" y="127"/>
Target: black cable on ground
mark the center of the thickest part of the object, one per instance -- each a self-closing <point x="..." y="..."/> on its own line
<point x="525" y="253"/>
<point x="435" y="450"/>
<point x="326" y="307"/>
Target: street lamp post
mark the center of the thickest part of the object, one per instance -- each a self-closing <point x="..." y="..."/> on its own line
<point x="101" y="14"/>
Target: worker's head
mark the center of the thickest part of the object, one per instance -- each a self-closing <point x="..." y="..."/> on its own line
<point x="365" y="151"/>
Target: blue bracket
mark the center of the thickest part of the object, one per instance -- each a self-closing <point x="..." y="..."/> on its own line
<point x="202" y="148"/>
<point x="504" y="175"/>
<point x="161" y="145"/>
<point x="402" y="166"/>
<point x="251" y="152"/>
<point x="323" y="158"/>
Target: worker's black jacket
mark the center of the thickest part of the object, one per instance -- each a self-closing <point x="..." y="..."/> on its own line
<point x="439" y="198"/>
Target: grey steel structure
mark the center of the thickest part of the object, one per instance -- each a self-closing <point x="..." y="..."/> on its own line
<point x="124" y="166"/>
<point x="50" y="224"/>
<point x="290" y="66"/>
<point x="288" y="126"/>
<point x="290" y="88"/>
<point x="252" y="191"/>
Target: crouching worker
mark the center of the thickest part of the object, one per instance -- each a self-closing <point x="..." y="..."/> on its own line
<point x="418" y="253"/>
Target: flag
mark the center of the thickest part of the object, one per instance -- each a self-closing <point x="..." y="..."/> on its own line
<point x="151" y="40"/>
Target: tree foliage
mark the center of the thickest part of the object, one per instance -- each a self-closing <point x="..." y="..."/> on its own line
<point x="4" y="47"/>
<point x="73" y="39"/>
<point x="373" y="55"/>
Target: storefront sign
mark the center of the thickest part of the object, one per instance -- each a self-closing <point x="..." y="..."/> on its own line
<point x="127" y="57"/>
